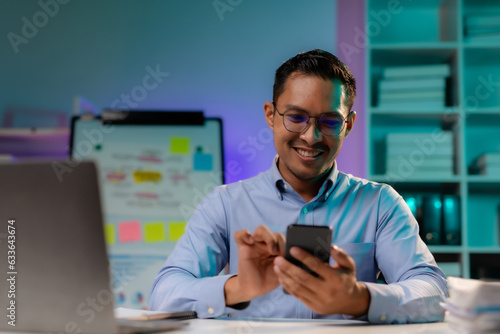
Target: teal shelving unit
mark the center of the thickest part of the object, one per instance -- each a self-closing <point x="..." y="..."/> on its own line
<point x="435" y="32"/>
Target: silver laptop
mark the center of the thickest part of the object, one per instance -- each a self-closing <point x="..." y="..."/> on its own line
<point x="56" y="278"/>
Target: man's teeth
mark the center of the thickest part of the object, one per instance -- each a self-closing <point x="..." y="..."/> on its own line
<point x="308" y="153"/>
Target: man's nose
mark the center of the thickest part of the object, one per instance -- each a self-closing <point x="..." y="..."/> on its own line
<point x="311" y="133"/>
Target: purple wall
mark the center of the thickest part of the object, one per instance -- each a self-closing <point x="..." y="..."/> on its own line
<point x="351" y="50"/>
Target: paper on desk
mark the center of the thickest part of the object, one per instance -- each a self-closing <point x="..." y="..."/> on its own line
<point x="134" y="314"/>
<point x="473" y="306"/>
<point x="129" y="313"/>
<point x="474" y="293"/>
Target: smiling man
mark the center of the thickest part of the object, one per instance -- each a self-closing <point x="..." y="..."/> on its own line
<point x="240" y="226"/>
<point x="306" y="151"/>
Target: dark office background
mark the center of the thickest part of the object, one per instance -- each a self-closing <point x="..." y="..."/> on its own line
<point x="220" y="57"/>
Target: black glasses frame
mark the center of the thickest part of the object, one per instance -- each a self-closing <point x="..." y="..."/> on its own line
<point x="318" y="117"/>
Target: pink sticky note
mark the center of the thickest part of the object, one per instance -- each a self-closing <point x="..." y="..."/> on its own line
<point x="129" y="231"/>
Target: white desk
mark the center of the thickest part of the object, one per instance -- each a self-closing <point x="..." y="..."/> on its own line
<point x="309" y="327"/>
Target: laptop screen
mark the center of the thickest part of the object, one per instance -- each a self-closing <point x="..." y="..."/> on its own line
<point x="57" y="279"/>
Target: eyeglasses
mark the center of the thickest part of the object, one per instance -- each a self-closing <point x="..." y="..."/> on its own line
<point x="329" y="124"/>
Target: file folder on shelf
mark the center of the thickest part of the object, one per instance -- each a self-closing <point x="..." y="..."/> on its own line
<point x="451" y="219"/>
<point x="432" y="214"/>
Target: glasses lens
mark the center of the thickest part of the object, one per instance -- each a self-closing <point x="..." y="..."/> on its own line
<point x="295" y="120"/>
<point x="331" y="124"/>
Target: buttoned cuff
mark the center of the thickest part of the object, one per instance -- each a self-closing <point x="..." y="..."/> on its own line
<point x="384" y="301"/>
<point x="411" y="301"/>
<point x="211" y="301"/>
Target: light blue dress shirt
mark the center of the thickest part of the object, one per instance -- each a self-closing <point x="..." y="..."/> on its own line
<point x="369" y="220"/>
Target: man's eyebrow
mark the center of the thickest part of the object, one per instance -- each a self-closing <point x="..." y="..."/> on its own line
<point x="294" y="107"/>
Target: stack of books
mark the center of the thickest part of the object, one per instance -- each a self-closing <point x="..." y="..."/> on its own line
<point x="482" y="26"/>
<point x="473" y="306"/>
<point x="489" y="164"/>
<point x="416" y="86"/>
<point x="438" y="216"/>
<point x="419" y="154"/>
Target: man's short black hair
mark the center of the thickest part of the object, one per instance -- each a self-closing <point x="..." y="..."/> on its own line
<point x="317" y="63"/>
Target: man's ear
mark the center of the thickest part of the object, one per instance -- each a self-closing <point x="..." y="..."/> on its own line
<point x="351" y="118"/>
<point x="269" y="114"/>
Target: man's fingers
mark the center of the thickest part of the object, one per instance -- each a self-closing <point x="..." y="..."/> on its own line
<point x="294" y="288"/>
<point x="263" y="234"/>
<point x="293" y="278"/>
<point x="342" y="259"/>
<point x="281" y="241"/>
<point x="243" y="237"/>
<point x="308" y="259"/>
<point x="274" y="243"/>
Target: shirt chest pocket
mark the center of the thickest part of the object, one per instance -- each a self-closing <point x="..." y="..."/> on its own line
<point x="364" y="257"/>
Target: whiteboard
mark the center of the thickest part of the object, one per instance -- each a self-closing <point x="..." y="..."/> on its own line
<point x="154" y="168"/>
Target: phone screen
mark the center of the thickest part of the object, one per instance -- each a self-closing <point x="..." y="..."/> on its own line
<point x="315" y="240"/>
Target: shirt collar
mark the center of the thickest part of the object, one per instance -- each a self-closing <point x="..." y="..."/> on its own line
<point x="282" y="186"/>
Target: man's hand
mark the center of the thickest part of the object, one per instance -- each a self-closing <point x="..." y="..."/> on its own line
<point x="256" y="254"/>
<point x="334" y="291"/>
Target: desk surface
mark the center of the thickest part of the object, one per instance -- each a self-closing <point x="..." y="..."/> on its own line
<point x="310" y="327"/>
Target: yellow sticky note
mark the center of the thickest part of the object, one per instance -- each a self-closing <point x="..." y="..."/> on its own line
<point x="176" y="230"/>
<point x="141" y="176"/>
<point x="109" y="234"/>
<point x="179" y="145"/>
<point x="154" y="232"/>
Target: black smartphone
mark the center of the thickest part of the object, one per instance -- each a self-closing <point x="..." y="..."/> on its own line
<point x="316" y="240"/>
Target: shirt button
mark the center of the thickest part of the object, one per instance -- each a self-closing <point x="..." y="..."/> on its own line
<point x="383" y="317"/>
<point x="286" y="187"/>
<point x="305" y="210"/>
<point x="210" y="310"/>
